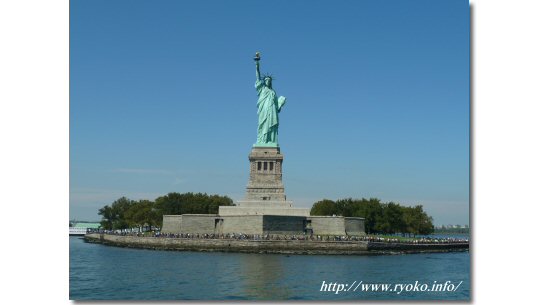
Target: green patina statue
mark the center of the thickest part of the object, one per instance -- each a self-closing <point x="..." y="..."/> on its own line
<point x="269" y="105"/>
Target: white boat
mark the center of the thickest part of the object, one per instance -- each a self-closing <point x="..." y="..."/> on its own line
<point x="77" y="231"/>
<point x="81" y="228"/>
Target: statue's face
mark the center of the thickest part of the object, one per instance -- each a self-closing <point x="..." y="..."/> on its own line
<point x="268" y="82"/>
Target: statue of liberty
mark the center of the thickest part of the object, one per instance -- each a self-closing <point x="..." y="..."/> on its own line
<point x="268" y="108"/>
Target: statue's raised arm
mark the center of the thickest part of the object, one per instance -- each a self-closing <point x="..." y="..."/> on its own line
<point x="257" y="60"/>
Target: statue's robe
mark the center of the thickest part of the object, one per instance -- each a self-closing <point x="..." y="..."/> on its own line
<point x="268" y="108"/>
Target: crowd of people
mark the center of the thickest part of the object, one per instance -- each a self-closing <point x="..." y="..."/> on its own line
<point x="307" y="237"/>
<point x="419" y="240"/>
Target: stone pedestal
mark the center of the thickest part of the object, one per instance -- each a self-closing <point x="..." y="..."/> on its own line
<point x="265" y="182"/>
<point x="265" y="191"/>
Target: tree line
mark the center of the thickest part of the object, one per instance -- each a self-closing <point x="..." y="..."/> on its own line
<point x="125" y="213"/>
<point x="379" y="218"/>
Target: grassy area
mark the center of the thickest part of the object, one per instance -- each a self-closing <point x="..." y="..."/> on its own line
<point x="452" y="231"/>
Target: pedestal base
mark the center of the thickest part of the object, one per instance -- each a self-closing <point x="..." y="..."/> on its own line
<point x="265" y="181"/>
<point x="262" y="210"/>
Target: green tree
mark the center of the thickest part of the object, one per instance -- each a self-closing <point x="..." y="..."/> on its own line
<point x="108" y="217"/>
<point x="189" y="203"/>
<point x="391" y="220"/>
<point x="125" y="213"/>
<point x="425" y="222"/>
<point x="113" y="217"/>
<point x="324" y="207"/>
<point x="372" y="212"/>
<point x="384" y="218"/>
<point x="417" y="221"/>
<point x="344" y="207"/>
<point x="142" y="213"/>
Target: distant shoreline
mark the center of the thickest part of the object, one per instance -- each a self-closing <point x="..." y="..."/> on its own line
<point x="273" y="246"/>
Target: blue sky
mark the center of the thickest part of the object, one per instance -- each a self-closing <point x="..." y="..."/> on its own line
<point x="162" y="100"/>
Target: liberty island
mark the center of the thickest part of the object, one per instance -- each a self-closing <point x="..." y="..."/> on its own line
<point x="265" y="221"/>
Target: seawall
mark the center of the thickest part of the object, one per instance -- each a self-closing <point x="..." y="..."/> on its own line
<point x="271" y="246"/>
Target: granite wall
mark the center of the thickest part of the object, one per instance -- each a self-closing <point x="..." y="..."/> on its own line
<point x="171" y="224"/>
<point x="354" y="226"/>
<point x="285" y="225"/>
<point x="198" y="223"/>
<point x="262" y="224"/>
<point x="246" y="224"/>
<point x="328" y="225"/>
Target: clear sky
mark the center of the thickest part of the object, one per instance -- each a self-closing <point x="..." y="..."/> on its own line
<point x="162" y="100"/>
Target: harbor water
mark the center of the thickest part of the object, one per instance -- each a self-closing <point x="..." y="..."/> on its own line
<point x="99" y="272"/>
